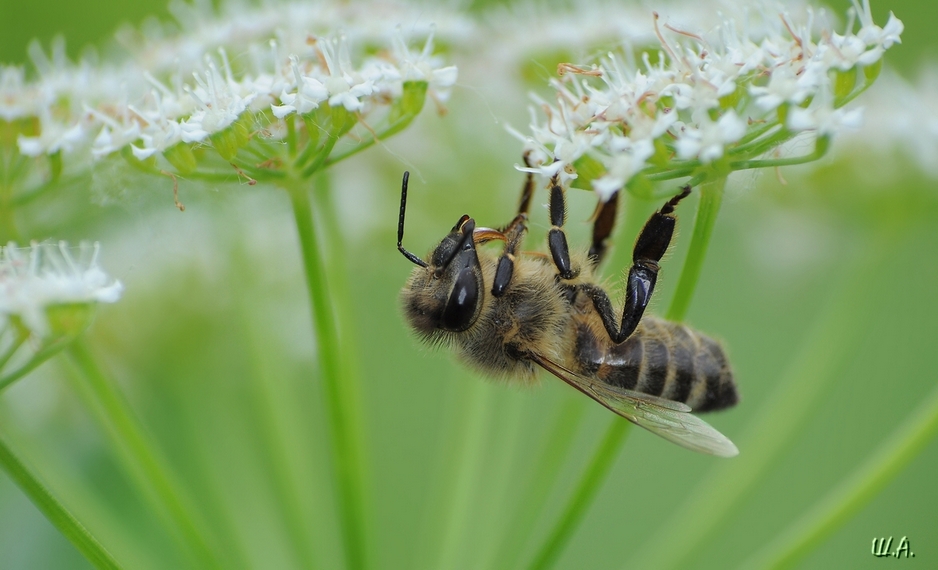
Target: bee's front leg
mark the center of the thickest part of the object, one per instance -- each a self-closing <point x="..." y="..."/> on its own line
<point x="506" y="263"/>
<point x="514" y="233"/>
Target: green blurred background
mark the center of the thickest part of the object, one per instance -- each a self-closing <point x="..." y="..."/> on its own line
<point x="212" y="346"/>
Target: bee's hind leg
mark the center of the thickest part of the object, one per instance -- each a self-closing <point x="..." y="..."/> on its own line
<point x="649" y="248"/>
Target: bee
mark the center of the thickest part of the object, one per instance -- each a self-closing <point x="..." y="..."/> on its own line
<point x="509" y="316"/>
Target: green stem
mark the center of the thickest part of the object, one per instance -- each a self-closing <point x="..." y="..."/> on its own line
<point x="852" y="494"/>
<point x="828" y="344"/>
<point x="54" y="511"/>
<point x="267" y="377"/>
<point x="711" y="195"/>
<point x="320" y="158"/>
<point x="45" y="352"/>
<point x="670" y="174"/>
<point x="21" y="336"/>
<point x="140" y="455"/>
<point x="291" y="135"/>
<point x="745" y="143"/>
<point x="309" y="149"/>
<point x="340" y="386"/>
<point x="589" y="485"/>
<point x="472" y="429"/>
<point x="342" y="303"/>
<point x="257" y="173"/>
<point x="820" y="149"/>
<point x="391" y="130"/>
<point x="542" y="479"/>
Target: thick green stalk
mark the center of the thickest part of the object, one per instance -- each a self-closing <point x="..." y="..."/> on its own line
<point x="141" y="456"/>
<point x="340" y="387"/>
<point x="827" y="345"/>
<point x="853" y="493"/>
<point x="54" y="511"/>
<point x="266" y="380"/>
<point x="327" y="216"/>
<point x="711" y="195"/>
<point x="542" y="477"/>
<point x="582" y="498"/>
<point x="472" y="431"/>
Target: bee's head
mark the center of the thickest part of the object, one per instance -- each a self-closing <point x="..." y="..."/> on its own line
<point x="446" y="293"/>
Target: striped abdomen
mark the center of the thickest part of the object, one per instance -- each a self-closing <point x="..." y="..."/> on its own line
<point x="663" y="359"/>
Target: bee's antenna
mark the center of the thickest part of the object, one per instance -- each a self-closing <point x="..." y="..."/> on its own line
<point x="400" y="225"/>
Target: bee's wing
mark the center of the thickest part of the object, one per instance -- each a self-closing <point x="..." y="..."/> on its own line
<point x="671" y="420"/>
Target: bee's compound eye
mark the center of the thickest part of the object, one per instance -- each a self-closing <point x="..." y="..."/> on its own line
<point x="461" y="306"/>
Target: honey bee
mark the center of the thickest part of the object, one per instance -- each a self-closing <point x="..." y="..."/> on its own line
<point x="510" y="315"/>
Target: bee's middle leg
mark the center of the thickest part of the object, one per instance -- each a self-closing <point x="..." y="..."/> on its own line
<point x="556" y="238"/>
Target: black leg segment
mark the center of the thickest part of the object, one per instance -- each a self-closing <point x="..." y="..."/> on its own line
<point x="604" y="221"/>
<point x="556" y="238"/>
<point x="527" y="191"/>
<point x="514" y="234"/>
<point x="650" y="247"/>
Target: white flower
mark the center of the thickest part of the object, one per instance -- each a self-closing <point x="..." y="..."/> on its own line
<point x="221" y="103"/>
<point x="17" y="98"/>
<point x="44" y="275"/>
<point x="627" y="162"/>
<point x="345" y="85"/>
<point x="784" y="87"/>
<point x="54" y="136"/>
<point x="822" y="117"/>
<point x="115" y="135"/>
<point x="708" y="139"/>
<point x="872" y="34"/>
<point x="310" y="92"/>
<point x="424" y="66"/>
<point x="160" y="132"/>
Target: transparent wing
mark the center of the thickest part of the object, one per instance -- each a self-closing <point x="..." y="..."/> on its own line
<point x="671" y="420"/>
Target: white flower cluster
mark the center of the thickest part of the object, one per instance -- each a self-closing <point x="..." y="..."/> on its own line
<point x="181" y="88"/>
<point x="734" y="92"/>
<point x="44" y="275"/>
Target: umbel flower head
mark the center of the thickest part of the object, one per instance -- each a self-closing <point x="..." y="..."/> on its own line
<point x="43" y="286"/>
<point x="48" y="294"/>
<point x="263" y="92"/>
<point x="705" y="103"/>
